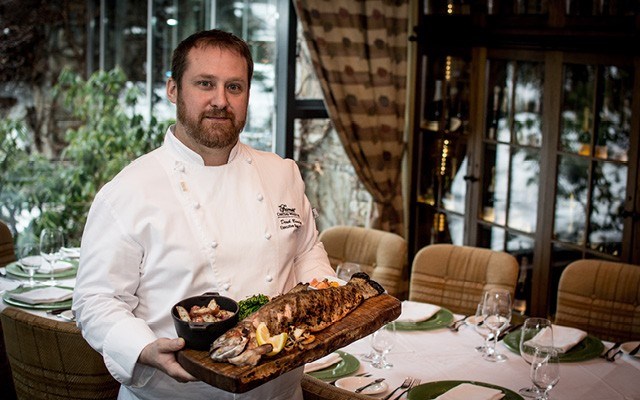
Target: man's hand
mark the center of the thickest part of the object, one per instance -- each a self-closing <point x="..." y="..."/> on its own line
<point x="161" y="355"/>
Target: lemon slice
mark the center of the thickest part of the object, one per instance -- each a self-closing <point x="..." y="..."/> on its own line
<point x="278" y="343"/>
<point x="263" y="337"/>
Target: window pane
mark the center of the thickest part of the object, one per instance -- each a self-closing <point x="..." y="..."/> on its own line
<point x="307" y="85"/>
<point x="571" y="199"/>
<point x="614" y="122"/>
<point x="332" y="185"/>
<point x="491" y="237"/>
<point x="609" y="191"/>
<point x="499" y="104"/>
<point x="577" y="109"/>
<point x="523" y="196"/>
<point x="527" y="125"/>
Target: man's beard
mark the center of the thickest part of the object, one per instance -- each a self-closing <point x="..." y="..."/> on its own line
<point x="215" y="136"/>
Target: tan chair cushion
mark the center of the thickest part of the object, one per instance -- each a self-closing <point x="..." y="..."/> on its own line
<point x="315" y="389"/>
<point x="7" y="253"/>
<point x="381" y="254"/>
<point x="602" y="298"/>
<point x="455" y="277"/>
<point x="51" y="360"/>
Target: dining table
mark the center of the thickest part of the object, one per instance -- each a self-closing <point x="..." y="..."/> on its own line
<point x="15" y="280"/>
<point x="442" y="358"/>
<point x="438" y="357"/>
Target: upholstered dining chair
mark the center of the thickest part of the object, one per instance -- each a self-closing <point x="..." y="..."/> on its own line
<point x="454" y="277"/>
<point x="601" y="298"/>
<point x="7" y="253"/>
<point x="316" y="389"/>
<point x="51" y="360"/>
<point x="381" y="254"/>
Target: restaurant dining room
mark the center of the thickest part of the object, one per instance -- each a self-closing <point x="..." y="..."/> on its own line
<point x="457" y="215"/>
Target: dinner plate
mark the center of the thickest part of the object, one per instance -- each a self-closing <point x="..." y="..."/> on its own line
<point x="590" y="347"/>
<point x="628" y="346"/>
<point x="352" y="383"/>
<point x="431" y="390"/>
<point x="15" y="270"/>
<point x="41" y="306"/>
<point x="441" y="319"/>
<point x="348" y="365"/>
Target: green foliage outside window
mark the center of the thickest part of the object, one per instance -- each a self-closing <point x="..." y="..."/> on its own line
<point x="107" y="135"/>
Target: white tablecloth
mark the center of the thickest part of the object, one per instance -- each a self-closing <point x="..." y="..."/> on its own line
<point x="444" y="355"/>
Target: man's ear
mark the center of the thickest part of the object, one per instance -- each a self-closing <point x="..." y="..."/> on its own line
<point x="172" y="90"/>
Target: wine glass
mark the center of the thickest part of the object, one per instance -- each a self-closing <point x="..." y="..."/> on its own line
<point x="30" y="260"/>
<point x="382" y="342"/>
<point x="545" y="370"/>
<point x="51" y="242"/>
<point x="371" y="356"/>
<point x="541" y="330"/>
<point x="481" y="329"/>
<point x="346" y="269"/>
<point x="496" y="313"/>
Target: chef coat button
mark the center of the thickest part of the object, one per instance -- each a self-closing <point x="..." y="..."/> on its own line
<point x="249" y="160"/>
<point x="267" y="236"/>
<point x="179" y="167"/>
<point x="226" y="286"/>
<point x="269" y="278"/>
<point x="260" y="197"/>
<point x="196" y="205"/>
<point x="214" y="244"/>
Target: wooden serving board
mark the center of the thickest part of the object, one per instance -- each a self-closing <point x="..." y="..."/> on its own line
<point x="367" y="318"/>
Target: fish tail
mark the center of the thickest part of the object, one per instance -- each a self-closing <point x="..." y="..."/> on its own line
<point x="369" y="287"/>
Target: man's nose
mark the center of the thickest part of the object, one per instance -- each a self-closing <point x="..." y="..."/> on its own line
<point x="218" y="98"/>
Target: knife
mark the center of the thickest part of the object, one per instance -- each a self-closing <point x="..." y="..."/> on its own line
<point x="360" y="389"/>
<point x="635" y="350"/>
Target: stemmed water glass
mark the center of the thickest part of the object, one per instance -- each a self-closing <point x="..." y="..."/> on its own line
<point x="51" y="243"/>
<point x="30" y="260"/>
<point x="481" y="329"/>
<point x="545" y="370"/>
<point x="382" y="342"/>
<point x="346" y="269"/>
<point x="496" y="314"/>
<point x="541" y="330"/>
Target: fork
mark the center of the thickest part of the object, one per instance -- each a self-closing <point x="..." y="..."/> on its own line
<point x="406" y="384"/>
<point x="413" y="384"/>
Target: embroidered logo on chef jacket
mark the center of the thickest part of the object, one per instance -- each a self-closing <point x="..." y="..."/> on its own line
<point x="288" y="217"/>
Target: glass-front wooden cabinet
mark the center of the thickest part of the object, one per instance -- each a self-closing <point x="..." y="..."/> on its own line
<point x="526" y="134"/>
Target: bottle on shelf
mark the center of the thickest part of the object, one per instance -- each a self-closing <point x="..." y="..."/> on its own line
<point x="520" y="298"/>
<point x="495" y="111"/>
<point x="435" y="108"/>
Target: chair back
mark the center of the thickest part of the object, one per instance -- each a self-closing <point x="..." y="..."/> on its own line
<point x="315" y="389"/>
<point x="7" y="254"/>
<point x="455" y="277"/>
<point x="381" y="254"/>
<point x="51" y="360"/>
<point x="601" y="298"/>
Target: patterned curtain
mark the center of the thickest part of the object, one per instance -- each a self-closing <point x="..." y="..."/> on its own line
<point x="359" y="52"/>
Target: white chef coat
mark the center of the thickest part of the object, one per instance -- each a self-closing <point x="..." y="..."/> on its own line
<point x="167" y="228"/>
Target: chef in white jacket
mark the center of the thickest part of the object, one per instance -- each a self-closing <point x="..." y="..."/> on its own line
<point x="202" y="213"/>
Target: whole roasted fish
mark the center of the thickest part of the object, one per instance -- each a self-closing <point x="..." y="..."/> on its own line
<point x="299" y="310"/>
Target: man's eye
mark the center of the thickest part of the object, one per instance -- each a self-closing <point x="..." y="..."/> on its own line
<point x="205" y="83"/>
<point x="235" y="88"/>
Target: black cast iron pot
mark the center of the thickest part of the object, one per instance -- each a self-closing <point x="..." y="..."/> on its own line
<point x="200" y="335"/>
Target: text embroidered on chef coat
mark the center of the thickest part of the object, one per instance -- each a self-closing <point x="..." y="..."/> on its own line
<point x="288" y="217"/>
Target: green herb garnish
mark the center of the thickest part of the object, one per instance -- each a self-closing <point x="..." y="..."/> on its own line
<point x="251" y="304"/>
